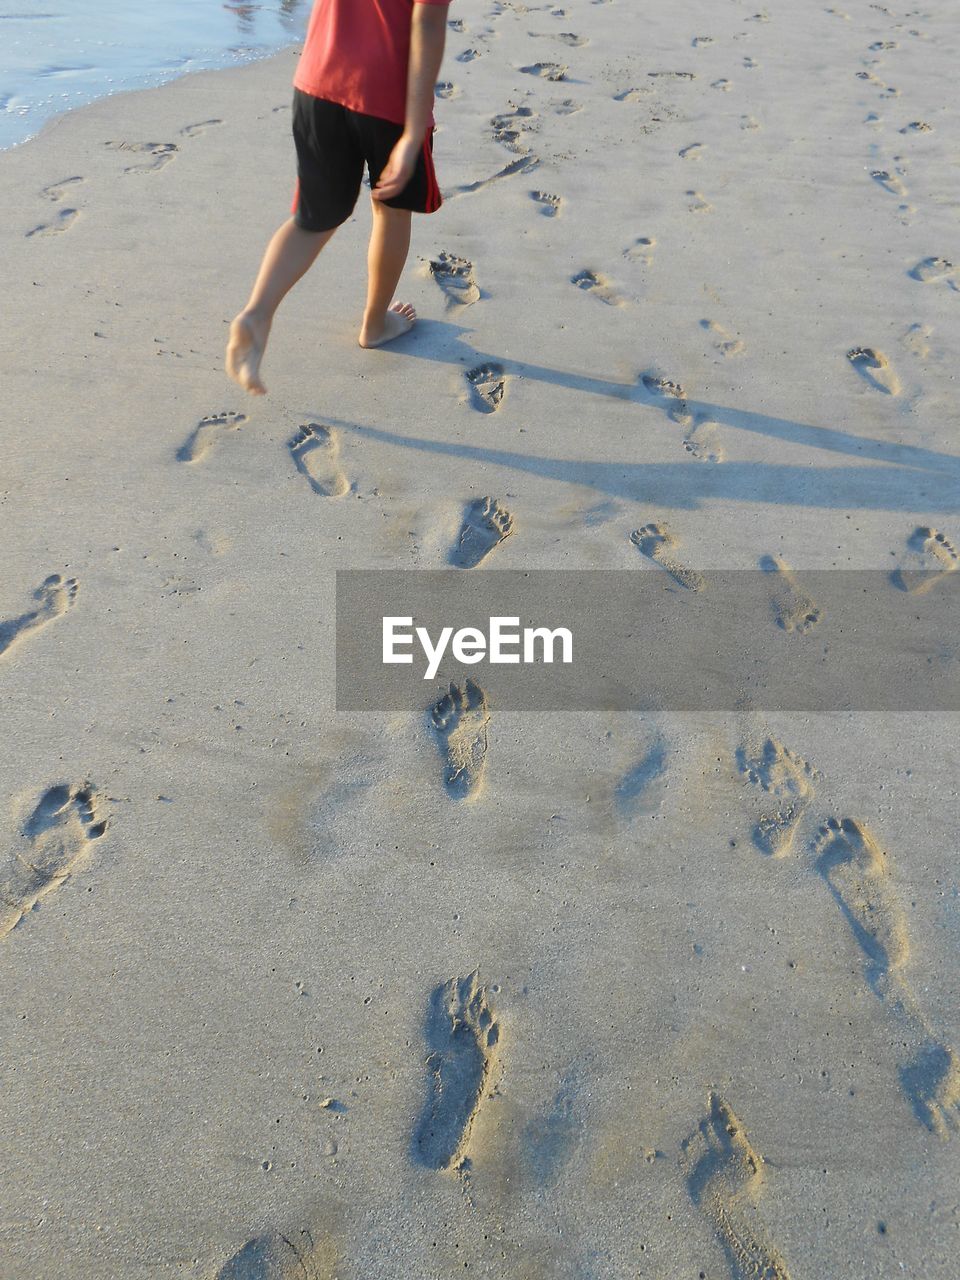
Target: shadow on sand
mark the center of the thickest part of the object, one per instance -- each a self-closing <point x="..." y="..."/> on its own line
<point x="887" y="476"/>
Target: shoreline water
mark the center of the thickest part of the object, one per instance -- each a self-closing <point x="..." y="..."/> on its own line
<point x="53" y="63"/>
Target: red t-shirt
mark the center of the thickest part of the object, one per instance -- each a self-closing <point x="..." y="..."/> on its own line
<point x="356" y="53"/>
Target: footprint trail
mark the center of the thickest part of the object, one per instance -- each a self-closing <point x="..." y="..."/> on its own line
<point x="284" y="1255"/>
<point x="933" y="558"/>
<point x="461" y="718"/>
<point x="463" y="1036"/>
<point x="657" y="544"/>
<point x="206" y="433"/>
<point x="795" y="610"/>
<point x="161" y="152"/>
<point x="597" y="286"/>
<point x="486" y="524"/>
<point x="857" y="873"/>
<point x="874" y="367"/>
<point x="53" y="840"/>
<point x="315" y="449"/>
<point x="488" y="384"/>
<point x="788" y="780"/>
<point x="455" y="277"/>
<point x="725" y="1180"/>
<point x="55" y="596"/>
<point x="549" y="203"/>
<point x="62" y="221"/>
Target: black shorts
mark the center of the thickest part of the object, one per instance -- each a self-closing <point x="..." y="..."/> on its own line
<point x="333" y="144"/>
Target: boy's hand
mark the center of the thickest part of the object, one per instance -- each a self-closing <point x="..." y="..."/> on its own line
<point x="398" y="170"/>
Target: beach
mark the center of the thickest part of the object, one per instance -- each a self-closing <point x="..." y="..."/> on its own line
<point x="294" y="991"/>
<point x="51" y="62"/>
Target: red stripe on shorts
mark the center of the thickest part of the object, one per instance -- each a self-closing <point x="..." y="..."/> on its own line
<point x="434" y="199"/>
<point x="296" y="199"/>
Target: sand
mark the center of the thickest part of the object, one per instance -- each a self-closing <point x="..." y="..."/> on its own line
<point x="298" y="993"/>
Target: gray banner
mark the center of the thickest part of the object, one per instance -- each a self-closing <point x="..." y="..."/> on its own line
<point x="651" y="640"/>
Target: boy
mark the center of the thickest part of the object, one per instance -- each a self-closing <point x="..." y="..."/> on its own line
<point x="363" y="93"/>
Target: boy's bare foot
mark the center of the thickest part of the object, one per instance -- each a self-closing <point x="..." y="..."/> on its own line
<point x="400" y="319"/>
<point x="248" y="341"/>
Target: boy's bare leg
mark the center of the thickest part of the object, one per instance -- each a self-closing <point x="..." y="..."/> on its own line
<point x="386" y="256"/>
<point x="290" y="254"/>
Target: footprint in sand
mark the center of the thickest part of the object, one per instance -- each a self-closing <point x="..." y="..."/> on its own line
<point x="64" y="219"/>
<point x="890" y="182"/>
<point x="856" y="872"/>
<point x="672" y="75"/>
<point x="788" y="780"/>
<point x="455" y="277"/>
<point x="692" y="152"/>
<point x="565" y="106"/>
<point x="937" y="271"/>
<point x="699" y="41"/>
<point x="794" y="609"/>
<point x="56" y="189"/>
<point x="701" y="440"/>
<point x="525" y="163"/>
<point x="933" y="557"/>
<point x="161" y="152"/>
<point x="194" y="130"/>
<point x="886" y="90"/>
<point x="488" y="384"/>
<point x="855" y="869"/>
<point x="724" y="342"/>
<point x="446" y="89"/>
<point x="723" y="86"/>
<point x="641" y="250"/>
<point x="633" y="94"/>
<point x="917" y="340"/>
<point x="285" y="1255"/>
<point x="931" y="1083"/>
<point x="571" y="40"/>
<point x="658" y="386"/>
<point x="315" y="450"/>
<point x="550" y="1138"/>
<point x="205" y="434"/>
<point x="748" y="123"/>
<point x="635" y="793"/>
<point x="725" y="1180"/>
<point x="669" y="396"/>
<point x="874" y="367"/>
<point x="510" y="128"/>
<point x="917" y="126"/>
<point x="53" y="839"/>
<point x="698" y="203"/>
<point x="549" y="203"/>
<point x="597" y="286"/>
<point x="546" y="70"/>
<point x="654" y="541"/>
<point x="485" y="525"/>
<point x="463" y="1036"/>
<point x="469" y="55"/>
<point x="461" y="718"/>
<point x="55" y="596"/>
